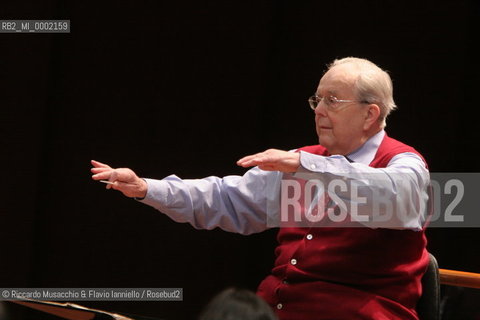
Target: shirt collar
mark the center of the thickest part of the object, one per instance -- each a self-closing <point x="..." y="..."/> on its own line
<point x="368" y="150"/>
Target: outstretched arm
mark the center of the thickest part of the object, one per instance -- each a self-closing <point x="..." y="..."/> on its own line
<point x="233" y="203"/>
<point x="399" y="190"/>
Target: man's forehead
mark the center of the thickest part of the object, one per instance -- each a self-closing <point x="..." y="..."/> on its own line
<point x="338" y="78"/>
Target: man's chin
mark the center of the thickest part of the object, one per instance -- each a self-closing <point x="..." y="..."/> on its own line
<point x="324" y="141"/>
<point x="323" y="138"/>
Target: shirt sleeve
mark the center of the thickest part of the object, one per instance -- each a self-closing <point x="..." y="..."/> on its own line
<point x="394" y="197"/>
<point x="233" y="203"/>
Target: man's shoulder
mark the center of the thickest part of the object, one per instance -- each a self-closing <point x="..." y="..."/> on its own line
<point x="391" y="147"/>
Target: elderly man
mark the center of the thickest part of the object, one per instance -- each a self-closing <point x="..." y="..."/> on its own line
<point x="368" y="268"/>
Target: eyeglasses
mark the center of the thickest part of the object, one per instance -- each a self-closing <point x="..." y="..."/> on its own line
<point x="331" y="102"/>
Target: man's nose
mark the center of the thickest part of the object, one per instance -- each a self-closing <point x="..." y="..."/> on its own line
<point x="321" y="110"/>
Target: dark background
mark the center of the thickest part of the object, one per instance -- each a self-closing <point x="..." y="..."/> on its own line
<point x="189" y="87"/>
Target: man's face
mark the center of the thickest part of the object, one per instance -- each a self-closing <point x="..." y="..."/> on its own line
<point x="341" y="130"/>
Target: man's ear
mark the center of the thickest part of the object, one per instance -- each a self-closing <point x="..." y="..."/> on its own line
<point x="371" y="116"/>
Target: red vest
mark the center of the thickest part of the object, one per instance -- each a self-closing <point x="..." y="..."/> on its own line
<point x="348" y="273"/>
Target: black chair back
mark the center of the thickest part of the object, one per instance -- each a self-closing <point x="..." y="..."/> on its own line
<point x="428" y="307"/>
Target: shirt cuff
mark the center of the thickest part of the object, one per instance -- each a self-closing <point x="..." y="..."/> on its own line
<point x="311" y="162"/>
<point x="157" y="191"/>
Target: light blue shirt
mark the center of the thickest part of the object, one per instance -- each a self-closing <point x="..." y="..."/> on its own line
<point x="250" y="203"/>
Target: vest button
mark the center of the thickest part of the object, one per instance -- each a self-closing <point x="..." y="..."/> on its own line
<point x="285" y="282"/>
<point x="279" y="306"/>
<point x="293" y="261"/>
<point x="309" y="236"/>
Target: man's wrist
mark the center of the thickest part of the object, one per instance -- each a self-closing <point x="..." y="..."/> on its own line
<point x="143" y="189"/>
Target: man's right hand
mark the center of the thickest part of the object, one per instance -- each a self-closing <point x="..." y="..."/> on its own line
<point x="124" y="179"/>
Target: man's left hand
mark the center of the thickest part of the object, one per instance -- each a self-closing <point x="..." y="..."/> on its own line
<point x="272" y="160"/>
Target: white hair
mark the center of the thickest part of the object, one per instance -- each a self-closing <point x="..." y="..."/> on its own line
<point x="372" y="85"/>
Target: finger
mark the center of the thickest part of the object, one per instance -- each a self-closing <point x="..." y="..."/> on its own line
<point x="97" y="164"/>
<point x="244" y="160"/>
<point x="102" y="175"/>
<point x="252" y="163"/>
<point x="260" y="159"/>
<point x="250" y="160"/>
<point x="98" y="170"/>
<point x="113" y="177"/>
<point x="118" y="185"/>
<point x="247" y="163"/>
<point x="121" y="186"/>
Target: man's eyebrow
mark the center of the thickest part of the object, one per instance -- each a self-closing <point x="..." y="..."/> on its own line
<point x="329" y="92"/>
